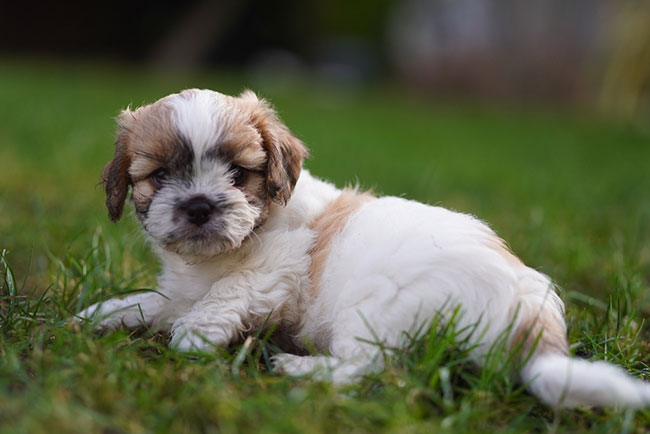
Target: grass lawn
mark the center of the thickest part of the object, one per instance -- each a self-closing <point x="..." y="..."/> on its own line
<point x="570" y="193"/>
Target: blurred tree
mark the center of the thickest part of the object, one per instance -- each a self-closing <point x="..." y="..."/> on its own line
<point x="195" y="33"/>
<point x="539" y="50"/>
<point x="497" y="48"/>
<point x="626" y="85"/>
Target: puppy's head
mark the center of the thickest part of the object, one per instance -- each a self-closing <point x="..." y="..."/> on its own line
<point x="204" y="169"/>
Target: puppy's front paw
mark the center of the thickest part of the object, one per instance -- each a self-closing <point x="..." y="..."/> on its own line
<point x="189" y="341"/>
<point x="289" y="364"/>
<point x="189" y="338"/>
<point x="298" y="366"/>
<point x="322" y="368"/>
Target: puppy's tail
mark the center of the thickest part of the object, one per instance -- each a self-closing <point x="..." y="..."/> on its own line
<point x="560" y="381"/>
<point x="550" y="374"/>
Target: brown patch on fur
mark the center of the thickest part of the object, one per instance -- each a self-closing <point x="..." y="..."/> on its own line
<point x="142" y="195"/>
<point x="116" y="179"/>
<point x="284" y="151"/>
<point x="146" y="141"/>
<point x="496" y="243"/>
<point x="544" y="333"/>
<point x="329" y="224"/>
<point x="254" y="190"/>
<point x="243" y="147"/>
<point x="153" y="140"/>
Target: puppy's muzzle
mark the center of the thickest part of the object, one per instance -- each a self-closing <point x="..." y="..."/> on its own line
<point x="197" y="210"/>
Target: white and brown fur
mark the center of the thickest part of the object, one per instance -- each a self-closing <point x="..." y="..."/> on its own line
<point x="245" y="235"/>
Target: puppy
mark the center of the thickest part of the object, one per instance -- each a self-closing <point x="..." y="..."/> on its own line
<point x="246" y="236"/>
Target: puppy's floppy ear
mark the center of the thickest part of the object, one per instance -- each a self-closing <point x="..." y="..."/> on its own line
<point x="284" y="151"/>
<point x="115" y="177"/>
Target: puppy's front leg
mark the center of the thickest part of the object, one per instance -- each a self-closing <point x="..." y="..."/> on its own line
<point x="132" y="311"/>
<point x="242" y="301"/>
<point x="216" y="319"/>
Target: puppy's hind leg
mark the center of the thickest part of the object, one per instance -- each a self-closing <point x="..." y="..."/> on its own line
<point x="347" y="366"/>
<point x="354" y="348"/>
<point x="297" y="366"/>
<point x="368" y="320"/>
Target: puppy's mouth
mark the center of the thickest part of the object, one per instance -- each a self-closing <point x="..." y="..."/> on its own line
<point x="202" y="225"/>
<point x="190" y="239"/>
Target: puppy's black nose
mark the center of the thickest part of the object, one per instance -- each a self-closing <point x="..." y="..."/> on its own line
<point x="198" y="210"/>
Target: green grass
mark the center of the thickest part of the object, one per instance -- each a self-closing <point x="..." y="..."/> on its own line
<point x="568" y="191"/>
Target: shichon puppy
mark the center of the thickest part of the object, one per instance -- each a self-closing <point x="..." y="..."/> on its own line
<point x="246" y="236"/>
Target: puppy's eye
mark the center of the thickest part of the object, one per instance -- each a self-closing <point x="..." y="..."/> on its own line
<point x="158" y="176"/>
<point x="238" y="175"/>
